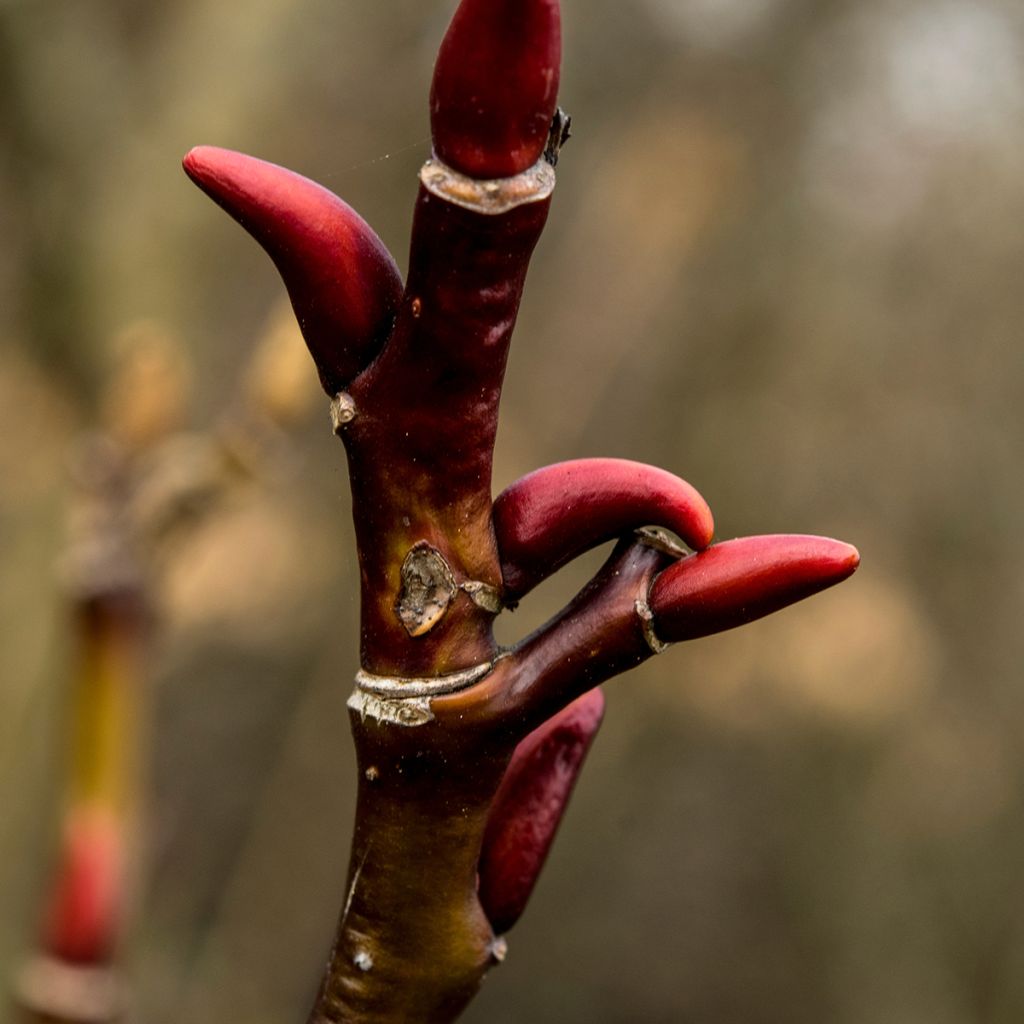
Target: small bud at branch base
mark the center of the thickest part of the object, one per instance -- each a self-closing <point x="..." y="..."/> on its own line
<point x="529" y="806"/>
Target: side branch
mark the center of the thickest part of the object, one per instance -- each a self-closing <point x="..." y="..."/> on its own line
<point x="597" y="636"/>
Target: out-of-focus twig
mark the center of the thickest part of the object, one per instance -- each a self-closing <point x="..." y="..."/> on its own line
<point x="139" y="483"/>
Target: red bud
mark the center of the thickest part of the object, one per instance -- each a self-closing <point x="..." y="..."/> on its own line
<point x="741" y="580"/>
<point x="83" y="917"/>
<point x="552" y="515"/>
<point x="343" y="283"/>
<point x="529" y="806"/>
<point x="495" y="86"/>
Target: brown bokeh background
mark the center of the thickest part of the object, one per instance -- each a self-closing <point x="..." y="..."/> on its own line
<point x="784" y="261"/>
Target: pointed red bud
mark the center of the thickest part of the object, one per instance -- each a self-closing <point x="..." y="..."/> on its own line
<point x="343" y="282"/>
<point x="741" y="580"/>
<point x="495" y="86"/>
<point x="529" y="806"/>
<point x="84" y="914"/>
<point x="552" y="515"/>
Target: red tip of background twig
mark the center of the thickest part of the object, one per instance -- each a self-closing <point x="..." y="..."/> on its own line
<point x="495" y="86"/>
<point x="84" y="915"/>
<point x="343" y="282"/>
<point x="741" y="580"/>
<point x="529" y="806"/>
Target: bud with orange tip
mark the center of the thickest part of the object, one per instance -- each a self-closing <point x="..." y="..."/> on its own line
<point x="467" y="750"/>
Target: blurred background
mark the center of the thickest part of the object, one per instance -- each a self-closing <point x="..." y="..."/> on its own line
<point x="785" y="262"/>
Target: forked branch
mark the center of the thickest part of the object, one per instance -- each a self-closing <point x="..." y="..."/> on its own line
<point x="468" y="753"/>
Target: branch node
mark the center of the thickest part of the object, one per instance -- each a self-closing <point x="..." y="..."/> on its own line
<point x="401" y="688"/>
<point x="659" y="540"/>
<point x="406" y="702"/>
<point x="428" y="587"/>
<point x="343" y="411"/>
<point x="493" y="196"/>
<point x="483" y="595"/>
<point x="646" y="616"/>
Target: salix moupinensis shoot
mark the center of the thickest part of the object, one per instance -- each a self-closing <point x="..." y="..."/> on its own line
<point x="467" y="752"/>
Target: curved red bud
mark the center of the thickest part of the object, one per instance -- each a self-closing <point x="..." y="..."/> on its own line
<point x="84" y="914"/>
<point x="552" y="515"/>
<point x="529" y="806"/>
<point x="741" y="580"/>
<point x="495" y="86"/>
<point x="343" y="282"/>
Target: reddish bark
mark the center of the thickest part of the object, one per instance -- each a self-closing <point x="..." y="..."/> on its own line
<point x="467" y="754"/>
<point x="421" y="442"/>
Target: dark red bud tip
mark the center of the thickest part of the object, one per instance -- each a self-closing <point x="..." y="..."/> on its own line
<point x="529" y="806"/>
<point x="742" y="580"/>
<point x="343" y="283"/>
<point x="495" y="86"/>
<point x="552" y="515"/>
<point x="84" y="914"/>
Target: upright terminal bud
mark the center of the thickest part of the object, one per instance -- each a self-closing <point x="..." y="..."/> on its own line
<point x="550" y="516"/>
<point x="742" y="580"/>
<point x="495" y="86"/>
<point x="343" y="282"/>
<point x="529" y="806"/>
